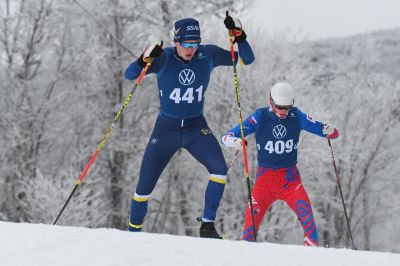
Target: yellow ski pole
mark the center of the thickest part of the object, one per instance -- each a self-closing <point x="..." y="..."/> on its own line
<point x="246" y="165"/>
<point x="79" y="181"/>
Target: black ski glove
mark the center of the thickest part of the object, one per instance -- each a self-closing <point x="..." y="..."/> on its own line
<point x="234" y="25"/>
<point x="150" y="52"/>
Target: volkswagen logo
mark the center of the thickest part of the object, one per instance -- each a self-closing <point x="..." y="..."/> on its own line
<point x="186" y="76"/>
<point x="279" y="131"/>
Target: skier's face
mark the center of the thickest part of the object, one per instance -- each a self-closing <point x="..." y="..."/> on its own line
<point x="187" y="49"/>
<point x="279" y="111"/>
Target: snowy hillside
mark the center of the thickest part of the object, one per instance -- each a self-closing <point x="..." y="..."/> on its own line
<point x="42" y="245"/>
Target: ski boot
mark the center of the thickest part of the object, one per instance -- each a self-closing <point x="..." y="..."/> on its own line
<point x="207" y="230"/>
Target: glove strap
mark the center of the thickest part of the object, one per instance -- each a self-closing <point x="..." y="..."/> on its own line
<point x="240" y="38"/>
<point x="141" y="61"/>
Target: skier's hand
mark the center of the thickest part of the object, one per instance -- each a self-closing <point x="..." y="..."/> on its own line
<point x="330" y="131"/>
<point x="150" y="52"/>
<point x="234" y="25"/>
<point x="231" y="141"/>
<point x="237" y="143"/>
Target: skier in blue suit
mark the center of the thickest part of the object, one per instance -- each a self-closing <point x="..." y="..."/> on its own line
<point x="183" y="73"/>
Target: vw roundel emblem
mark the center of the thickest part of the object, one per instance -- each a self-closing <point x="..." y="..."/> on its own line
<point x="279" y="131"/>
<point x="186" y="76"/>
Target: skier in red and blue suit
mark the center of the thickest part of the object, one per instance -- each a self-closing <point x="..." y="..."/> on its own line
<point x="183" y="73"/>
<point x="277" y="129"/>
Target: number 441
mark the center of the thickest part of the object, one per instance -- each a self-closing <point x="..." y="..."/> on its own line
<point x="188" y="95"/>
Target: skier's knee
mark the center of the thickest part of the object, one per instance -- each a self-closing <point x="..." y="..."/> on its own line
<point x="220" y="169"/>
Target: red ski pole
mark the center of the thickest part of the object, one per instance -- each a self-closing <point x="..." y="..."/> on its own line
<point x="235" y="81"/>
<point x="79" y="181"/>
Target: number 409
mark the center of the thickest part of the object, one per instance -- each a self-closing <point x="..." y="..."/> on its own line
<point x="279" y="146"/>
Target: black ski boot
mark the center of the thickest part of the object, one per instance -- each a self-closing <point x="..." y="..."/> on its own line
<point x="207" y="230"/>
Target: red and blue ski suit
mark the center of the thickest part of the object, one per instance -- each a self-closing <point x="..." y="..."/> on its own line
<point x="277" y="176"/>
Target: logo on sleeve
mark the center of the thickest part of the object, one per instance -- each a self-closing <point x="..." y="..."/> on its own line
<point x="186" y="76"/>
<point x="309" y="118"/>
<point x="252" y="120"/>
<point x="279" y="131"/>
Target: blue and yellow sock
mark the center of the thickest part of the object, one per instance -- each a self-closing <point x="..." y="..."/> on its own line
<point x="138" y="212"/>
<point x="213" y="195"/>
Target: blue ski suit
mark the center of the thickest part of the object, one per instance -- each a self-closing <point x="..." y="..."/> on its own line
<point x="181" y="124"/>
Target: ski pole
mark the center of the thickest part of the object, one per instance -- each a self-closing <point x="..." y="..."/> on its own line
<point x="79" y="181"/>
<point x="341" y="193"/>
<point x="199" y="218"/>
<point x="235" y="81"/>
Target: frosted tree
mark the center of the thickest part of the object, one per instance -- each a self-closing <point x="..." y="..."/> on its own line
<point x="35" y="55"/>
<point x="365" y="157"/>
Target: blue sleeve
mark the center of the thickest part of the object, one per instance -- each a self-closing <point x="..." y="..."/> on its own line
<point x="310" y="125"/>
<point x="222" y="57"/>
<point x="246" y="53"/>
<point x="250" y="125"/>
<point x="133" y="71"/>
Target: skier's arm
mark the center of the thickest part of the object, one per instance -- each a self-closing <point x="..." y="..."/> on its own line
<point x="249" y="126"/>
<point x="245" y="52"/>
<point x="222" y="57"/>
<point x="235" y="27"/>
<point x="152" y="53"/>
<point x="317" y="127"/>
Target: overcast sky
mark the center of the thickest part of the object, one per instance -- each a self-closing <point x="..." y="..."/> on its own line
<point x="327" y="18"/>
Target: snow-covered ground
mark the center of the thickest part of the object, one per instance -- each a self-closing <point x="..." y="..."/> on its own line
<point x="38" y="244"/>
